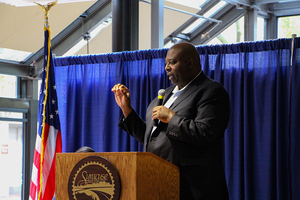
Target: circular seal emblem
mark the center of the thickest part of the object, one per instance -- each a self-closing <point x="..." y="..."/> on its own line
<point x="94" y="178"/>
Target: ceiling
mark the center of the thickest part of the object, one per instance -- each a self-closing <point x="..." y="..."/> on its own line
<point x="22" y="27"/>
<point x="21" y="3"/>
<point x="21" y="21"/>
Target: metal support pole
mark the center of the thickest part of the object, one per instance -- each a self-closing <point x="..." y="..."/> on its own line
<point x="124" y="25"/>
<point x="117" y="26"/>
<point x="157" y="24"/>
<point x="251" y="24"/>
<point x="271" y="27"/>
<point x="29" y="138"/>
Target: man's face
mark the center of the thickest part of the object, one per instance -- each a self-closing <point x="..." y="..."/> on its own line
<point x="177" y="67"/>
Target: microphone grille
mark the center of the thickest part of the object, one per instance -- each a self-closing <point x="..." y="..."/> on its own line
<point x="161" y="92"/>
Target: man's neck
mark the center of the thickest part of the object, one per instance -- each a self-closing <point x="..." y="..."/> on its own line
<point x="182" y="88"/>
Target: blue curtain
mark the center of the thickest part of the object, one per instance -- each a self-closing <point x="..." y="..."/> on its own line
<point x="262" y="141"/>
<point x="88" y="111"/>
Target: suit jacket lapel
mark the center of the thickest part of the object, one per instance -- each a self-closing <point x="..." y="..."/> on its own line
<point x="189" y="90"/>
<point x="168" y="94"/>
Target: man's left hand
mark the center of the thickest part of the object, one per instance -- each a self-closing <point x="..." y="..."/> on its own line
<point x="162" y="113"/>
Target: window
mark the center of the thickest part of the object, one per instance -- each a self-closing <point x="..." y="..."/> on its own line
<point x="11" y="155"/>
<point x="15" y="55"/>
<point x="196" y="24"/>
<point x="288" y="26"/>
<point x="234" y="33"/>
<point x="18" y="121"/>
<point x="8" y="86"/>
<point x="200" y="21"/>
<point x="190" y="3"/>
<point x="261" y="28"/>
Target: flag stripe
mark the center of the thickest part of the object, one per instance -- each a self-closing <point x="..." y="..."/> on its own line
<point x="38" y="144"/>
<point x="34" y="176"/>
<point x="50" y="187"/>
<point x="50" y="144"/>
<point x="33" y="190"/>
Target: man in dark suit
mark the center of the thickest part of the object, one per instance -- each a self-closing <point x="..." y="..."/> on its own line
<point x="193" y="119"/>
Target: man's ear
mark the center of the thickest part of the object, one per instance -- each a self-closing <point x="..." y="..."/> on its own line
<point x="191" y="62"/>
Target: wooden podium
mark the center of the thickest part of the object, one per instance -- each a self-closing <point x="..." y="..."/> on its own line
<point x="142" y="175"/>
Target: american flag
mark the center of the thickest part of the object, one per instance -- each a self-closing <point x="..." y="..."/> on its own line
<point x="48" y="140"/>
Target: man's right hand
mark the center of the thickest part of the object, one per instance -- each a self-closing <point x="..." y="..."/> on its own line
<point x="122" y="97"/>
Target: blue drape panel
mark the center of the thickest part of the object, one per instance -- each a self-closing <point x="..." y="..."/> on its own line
<point x="87" y="106"/>
<point x="256" y="143"/>
<point x="262" y="141"/>
<point x="294" y="124"/>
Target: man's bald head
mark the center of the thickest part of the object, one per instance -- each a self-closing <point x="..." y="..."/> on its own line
<point x="188" y="51"/>
<point x="182" y="64"/>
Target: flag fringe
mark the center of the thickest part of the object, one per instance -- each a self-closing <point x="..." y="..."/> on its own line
<point x="44" y="111"/>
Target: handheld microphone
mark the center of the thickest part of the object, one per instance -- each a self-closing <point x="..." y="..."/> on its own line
<point x="161" y="96"/>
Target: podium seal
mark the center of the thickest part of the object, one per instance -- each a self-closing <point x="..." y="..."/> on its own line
<point x="94" y="178"/>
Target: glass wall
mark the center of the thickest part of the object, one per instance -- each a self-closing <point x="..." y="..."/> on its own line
<point x="288" y="26"/>
<point x="12" y="122"/>
<point x="11" y="155"/>
<point x="8" y="86"/>
<point x="261" y="25"/>
<point x="233" y="34"/>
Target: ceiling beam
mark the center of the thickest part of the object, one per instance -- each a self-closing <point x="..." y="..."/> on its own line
<point x="228" y="15"/>
<point x="285" y="9"/>
<point x="276" y="7"/>
<point x="240" y="2"/>
<point x="203" y="10"/>
<point x="15" y="68"/>
<point x="258" y="2"/>
<point x="16" y="105"/>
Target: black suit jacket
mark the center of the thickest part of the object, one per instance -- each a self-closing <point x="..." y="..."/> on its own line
<point x="192" y="140"/>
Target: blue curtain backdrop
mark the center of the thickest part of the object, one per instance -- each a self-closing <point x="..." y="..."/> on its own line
<point x="262" y="141"/>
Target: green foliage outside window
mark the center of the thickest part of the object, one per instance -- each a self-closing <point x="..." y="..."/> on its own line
<point x="288" y="26"/>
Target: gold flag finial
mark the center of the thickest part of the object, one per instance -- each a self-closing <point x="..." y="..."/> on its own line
<point x="46" y="9"/>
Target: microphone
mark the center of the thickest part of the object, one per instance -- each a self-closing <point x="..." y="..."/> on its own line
<point x="161" y="95"/>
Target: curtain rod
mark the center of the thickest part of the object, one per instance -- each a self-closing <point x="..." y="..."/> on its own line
<point x="195" y="15"/>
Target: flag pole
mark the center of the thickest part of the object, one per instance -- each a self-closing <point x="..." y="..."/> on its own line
<point x="46" y="9"/>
